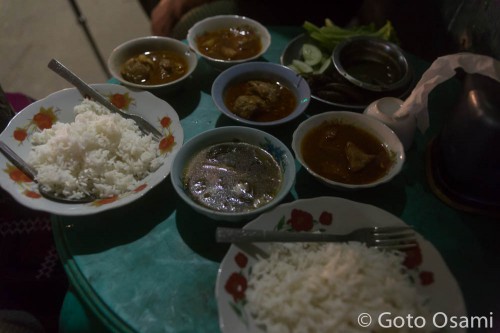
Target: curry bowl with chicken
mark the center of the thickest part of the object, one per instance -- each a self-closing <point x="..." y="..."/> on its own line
<point x="226" y="40"/>
<point x="153" y="63"/>
<point x="348" y="150"/>
<point x="261" y="94"/>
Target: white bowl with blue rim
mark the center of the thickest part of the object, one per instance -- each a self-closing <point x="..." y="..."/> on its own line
<point x="264" y="71"/>
<point x="279" y="151"/>
<point x="220" y="22"/>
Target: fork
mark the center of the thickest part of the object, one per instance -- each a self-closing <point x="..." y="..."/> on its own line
<point x="87" y="90"/>
<point x="384" y="238"/>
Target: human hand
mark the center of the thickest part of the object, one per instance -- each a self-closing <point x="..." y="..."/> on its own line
<point x="167" y="14"/>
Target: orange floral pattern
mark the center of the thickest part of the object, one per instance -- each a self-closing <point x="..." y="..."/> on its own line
<point x="167" y="143"/>
<point x="25" y="184"/>
<point x="121" y="101"/>
<point x="43" y="119"/>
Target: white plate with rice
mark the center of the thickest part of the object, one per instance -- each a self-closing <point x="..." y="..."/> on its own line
<point x="77" y="147"/>
<point x="292" y="287"/>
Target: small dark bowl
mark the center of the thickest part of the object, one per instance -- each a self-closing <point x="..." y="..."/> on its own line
<point x="372" y="63"/>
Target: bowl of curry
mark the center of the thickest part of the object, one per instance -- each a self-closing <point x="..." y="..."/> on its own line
<point x="260" y="94"/>
<point x="348" y="150"/>
<point x="233" y="173"/>
<point x="227" y="40"/>
<point x="154" y="63"/>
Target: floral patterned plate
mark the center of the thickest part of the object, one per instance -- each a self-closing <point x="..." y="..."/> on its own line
<point x="335" y="215"/>
<point x="59" y="107"/>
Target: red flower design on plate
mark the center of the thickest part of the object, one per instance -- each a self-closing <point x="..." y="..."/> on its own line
<point x="167" y="143"/>
<point x="105" y="201"/>
<point x="326" y="218"/>
<point x="17" y="175"/>
<point x="236" y="285"/>
<point x="301" y="220"/>
<point x="165" y="122"/>
<point x="45" y="118"/>
<point x="32" y="194"/>
<point x="140" y="188"/>
<point x="241" y="260"/>
<point x="121" y="101"/>
<point x="426" y="278"/>
<point x="20" y="134"/>
<point x="413" y="257"/>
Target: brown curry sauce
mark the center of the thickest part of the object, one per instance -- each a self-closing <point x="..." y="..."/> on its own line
<point x="233" y="43"/>
<point x="325" y="151"/>
<point x="260" y="100"/>
<point x="154" y="67"/>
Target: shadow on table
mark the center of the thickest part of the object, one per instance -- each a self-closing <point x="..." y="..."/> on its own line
<point x="108" y="229"/>
<point x="198" y="231"/>
<point x="389" y="196"/>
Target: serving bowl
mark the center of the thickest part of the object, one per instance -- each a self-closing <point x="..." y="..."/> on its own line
<point x="58" y="107"/>
<point x="293" y="93"/>
<point x="244" y="28"/>
<point x="232" y="134"/>
<point x="364" y="157"/>
<point x="372" y="63"/>
<point x="332" y="88"/>
<point x="180" y="63"/>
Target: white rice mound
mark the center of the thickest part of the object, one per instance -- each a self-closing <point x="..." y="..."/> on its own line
<point x="324" y="287"/>
<point x="100" y="153"/>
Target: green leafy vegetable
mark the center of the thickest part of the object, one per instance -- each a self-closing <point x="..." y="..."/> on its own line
<point x="330" y="35"/>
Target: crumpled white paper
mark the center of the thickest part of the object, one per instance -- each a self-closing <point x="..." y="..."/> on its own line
<point x="442" y="69"/>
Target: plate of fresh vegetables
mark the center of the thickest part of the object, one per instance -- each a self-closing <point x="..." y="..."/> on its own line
<point x="310" y="55"/>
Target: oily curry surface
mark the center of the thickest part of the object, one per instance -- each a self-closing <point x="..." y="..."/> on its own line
<point x="345" y="153"/>
<point x="154" y="67"/>
<point x="260" y="100"/>
<point x="232" y="177"/>
<point x="233" y="43"/>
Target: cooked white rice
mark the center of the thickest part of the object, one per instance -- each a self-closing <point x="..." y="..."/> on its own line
<point x="318" y="287"/>
<point x="100" y="153"/>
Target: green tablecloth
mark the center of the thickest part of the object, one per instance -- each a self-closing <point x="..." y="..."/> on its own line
<point x="151" y="266"/>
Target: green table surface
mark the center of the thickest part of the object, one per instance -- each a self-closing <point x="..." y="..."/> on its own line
<point x="151" y="266"/>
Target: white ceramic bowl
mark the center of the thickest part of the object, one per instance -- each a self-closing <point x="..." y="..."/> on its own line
<point x="261" y="71"/>
<point x="136" y="46"/>
<point x="373" y="126"/>
<point x="275" y="147"/>
<point x="219" y="22"/>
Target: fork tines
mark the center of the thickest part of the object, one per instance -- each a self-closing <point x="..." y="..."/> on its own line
<point x="394" y="238"/>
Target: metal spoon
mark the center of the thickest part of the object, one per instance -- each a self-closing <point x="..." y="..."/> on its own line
<point x="31" y="173"/>
<point x="87" y="90"/>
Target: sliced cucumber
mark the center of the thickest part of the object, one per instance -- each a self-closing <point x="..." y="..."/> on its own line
<point x="302" y="66"/>
<point x="294" y="68"/>
<point x="324" y="66"/>
<point x="311" y="54"/>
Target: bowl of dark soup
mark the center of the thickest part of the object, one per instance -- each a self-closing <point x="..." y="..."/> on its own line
<point x="233" y="173"/>
<point x="348" y="150"/>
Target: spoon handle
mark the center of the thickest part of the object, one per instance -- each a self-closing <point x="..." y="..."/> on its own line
<point x="88" y="91"/>
<point x="17" y="161"/>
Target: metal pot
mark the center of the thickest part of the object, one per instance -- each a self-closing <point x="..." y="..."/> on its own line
<point x="466" y="154"/>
